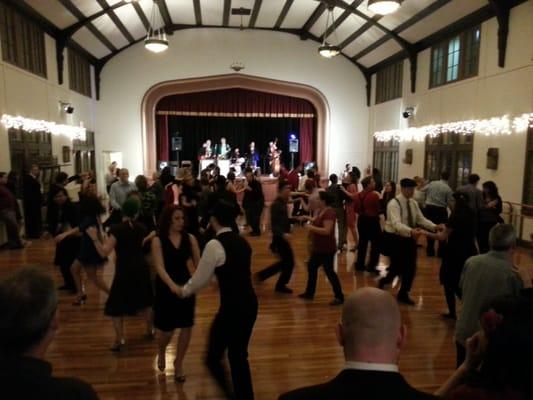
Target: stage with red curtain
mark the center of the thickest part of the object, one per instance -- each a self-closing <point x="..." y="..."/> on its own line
<point x="239" y="115"/>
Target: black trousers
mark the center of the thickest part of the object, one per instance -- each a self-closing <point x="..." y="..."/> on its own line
<point x="369" y="232"/>
<point x="114" y="218"/>
<point x="9" y="217"/>
<point x="483" y="230"/>
<point x="326" y="261"/>
<point x="285" y="265"/>
<point x="437" y="215"/>
<point x="231" y="331"/>
<point x="33" y="222"/>
<point x="402" y="261"/>
<point x="253" y="213"/>
<point x="461" y="353"/>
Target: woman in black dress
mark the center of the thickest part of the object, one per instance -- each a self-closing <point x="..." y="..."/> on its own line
<point x="489" y="215"/>
<point x="88" y="258"/>
<point x="131" y="290"/>
<point x="173" y="252"/>
<point x="62" y="216"/>
<point x="459" y="246"/>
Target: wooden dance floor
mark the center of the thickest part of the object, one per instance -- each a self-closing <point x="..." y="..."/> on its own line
<point x="293" y="343"/>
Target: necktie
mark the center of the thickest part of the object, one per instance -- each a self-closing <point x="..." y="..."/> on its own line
<point x="410" y="215"/>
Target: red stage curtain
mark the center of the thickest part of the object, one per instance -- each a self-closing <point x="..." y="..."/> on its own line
<point x="162" y="137"/>
<point x="235" y="103"/>
<point x="306" y="139"/>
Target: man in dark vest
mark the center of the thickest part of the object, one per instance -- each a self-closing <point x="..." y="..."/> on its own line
<point x="32" y="199"/>
<point x="229" y="257"/>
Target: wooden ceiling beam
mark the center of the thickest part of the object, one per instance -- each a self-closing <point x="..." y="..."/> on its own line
<point x="116" y="20"/>
<point x="343" y="17"/>
<point x="163" y="10"/>
<point x="142" y="16"/>
<point x="227" y="12"/>
<point x="319" y="10"/>
<point x="255" y="13"/>
<point x="197" y="12"/>
<point x="283" y="14"/>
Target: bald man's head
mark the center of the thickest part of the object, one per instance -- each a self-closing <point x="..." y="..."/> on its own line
<point x="371" y="329"/>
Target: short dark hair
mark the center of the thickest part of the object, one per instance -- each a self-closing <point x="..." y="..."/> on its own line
<point x="2" y="174"/>
<point x="165" y="219"/>
<point x="28" y="302"/>
<point x="444" y="175"/>
<point x="61" y="177"/>
<point x="473" y="179"/>
<point x="366" y="181"/>
<point x="231" y="176"/>
<point x="283" y="183"/>
<point x="333" y="178"/>
<point x="248" y="170"/>
<point x="141" y="183"/>
<point x="225" y="213"/>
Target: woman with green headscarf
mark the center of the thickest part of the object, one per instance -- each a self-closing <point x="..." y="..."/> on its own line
<point x="131" y="291"/>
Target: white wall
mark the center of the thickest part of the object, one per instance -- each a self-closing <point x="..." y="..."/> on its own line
<point x="23" y="93"/>
<point x="494" y="92"/>
<point x="207" y="52"/>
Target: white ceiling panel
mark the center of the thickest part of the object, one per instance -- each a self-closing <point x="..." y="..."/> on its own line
<point x="108" y="28"/>
<point x="131" y="20"/>
<point x="363" y="7"/>
<point x="384" y="51"/>
<point x="363" y="41"/>
<point x="441" y="18"/>
<point x="86" y="7"/>
<point x="212" y="11"/>
<point x="320" y="25"/>
<point x="181" y="12"/>
<point x="406" y="11"/>
<point x="235" y="20"/>
<point x="349" y="26"/>
<point x="89" y="42"/>
<point x="269" y="14"/>
<point x="53" y="12"/>
<point x="113" y="2"/>
<point x="147" y="6"/>
<point x="299" y="12"/>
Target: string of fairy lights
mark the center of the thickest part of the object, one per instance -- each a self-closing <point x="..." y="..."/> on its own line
<point x="501" y="126"/>
<point x="37" y="125"/>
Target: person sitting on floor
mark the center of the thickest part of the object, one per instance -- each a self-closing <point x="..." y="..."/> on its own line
<point x="29" y="321"/>
<point x="372" y="335"/>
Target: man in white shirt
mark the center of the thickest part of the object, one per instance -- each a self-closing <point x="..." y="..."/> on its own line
<point x="372" y="335"/>
<point x="402" y="230"/>
<point x="229" y="257"/>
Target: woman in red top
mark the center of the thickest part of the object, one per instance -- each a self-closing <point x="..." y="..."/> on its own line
<point x="349" y="188"/>
<point x="322" y="230"/>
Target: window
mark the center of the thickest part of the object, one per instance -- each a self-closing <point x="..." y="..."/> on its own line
<point x="22" y="42"/>
<point x="84" y="154"/>
<point x="456" y="58"/>
<point x="386" y="159"/>
<point x="449" y="152"/>
<point x="79" y="71"/>
<point x="528" y="175"/>
<point x="389" y="83"/>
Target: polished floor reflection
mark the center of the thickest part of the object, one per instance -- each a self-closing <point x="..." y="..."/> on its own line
<point x="293" y="342"/>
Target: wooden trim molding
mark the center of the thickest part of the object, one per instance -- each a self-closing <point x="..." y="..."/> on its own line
<point x="219" y="82"/>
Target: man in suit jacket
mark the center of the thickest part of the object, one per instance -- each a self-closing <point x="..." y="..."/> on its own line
<point x="372" y="334"/>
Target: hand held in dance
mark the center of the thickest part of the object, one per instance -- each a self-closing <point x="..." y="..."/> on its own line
<point x="416" y="233"/>
<point x="475" y="349"/>
<point x="524" y="275"/>
<point x="92" y="232"/>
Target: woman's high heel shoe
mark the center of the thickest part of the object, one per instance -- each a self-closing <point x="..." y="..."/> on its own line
<point x="161" y="362"/>
<point x="117" y="346"/>
<point x="80" y="300"/>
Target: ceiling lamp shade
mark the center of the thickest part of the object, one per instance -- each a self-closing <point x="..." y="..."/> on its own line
<point x="383" y="7"/>
<point x="327" y="50"/>
<point x="156" y="38"/>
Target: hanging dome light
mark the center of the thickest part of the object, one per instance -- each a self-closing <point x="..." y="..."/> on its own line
<point x="383" y="7"/>
<point x="327" y="50"/>
<point x="156" y="38"/>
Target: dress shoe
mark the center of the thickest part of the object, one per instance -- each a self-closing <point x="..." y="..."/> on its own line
<point x="336" y="302"/>
<point x="382" y="283"/>
<point x="405" y="299"/>
<point x="283" y="289"/>
<point x="305" y="296"/>
<point x="449" y="316"/>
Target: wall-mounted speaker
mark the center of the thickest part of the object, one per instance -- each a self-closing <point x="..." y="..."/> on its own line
<point x="177" y="143"/>
<point x="492" y="158"/>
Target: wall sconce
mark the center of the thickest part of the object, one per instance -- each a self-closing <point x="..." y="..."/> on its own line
<point x="408" y="159"/>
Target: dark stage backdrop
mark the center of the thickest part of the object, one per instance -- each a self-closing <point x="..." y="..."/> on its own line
<point x="239" y="132"/>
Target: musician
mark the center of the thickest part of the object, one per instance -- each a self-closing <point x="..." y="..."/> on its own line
<point x="206" y="152"/>
<point x="223" y="150"/>
<point x="253" y="156"/>
<point x="274" y="156"/>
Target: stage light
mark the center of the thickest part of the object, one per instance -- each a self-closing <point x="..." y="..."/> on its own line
<point x="292" y="136"/>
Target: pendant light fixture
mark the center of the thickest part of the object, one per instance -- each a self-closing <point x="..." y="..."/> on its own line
<point x="328" y="50"/>
<point x="156" y="38"/>
<point x="384" y="7"/>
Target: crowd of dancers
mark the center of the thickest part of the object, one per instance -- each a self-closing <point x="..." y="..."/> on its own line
<point x="159" y="233"/>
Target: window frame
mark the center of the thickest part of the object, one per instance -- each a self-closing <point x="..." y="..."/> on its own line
<point x="390" y="150"/>
<point x="468" y="66"/>
<point x="76" y="63"/>
<point x="528" y="174"/>
<point x="389" y="83"/>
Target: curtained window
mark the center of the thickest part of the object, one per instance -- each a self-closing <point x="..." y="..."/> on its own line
<point x="79" y="71"/>
<point x="386" y="159"/>
<point x="449" y="152"/>
<point x="456" y="58"/>
<point x="22" y="41"/>
<point x="528" y="175"/>
<point x="389" y="83"/>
